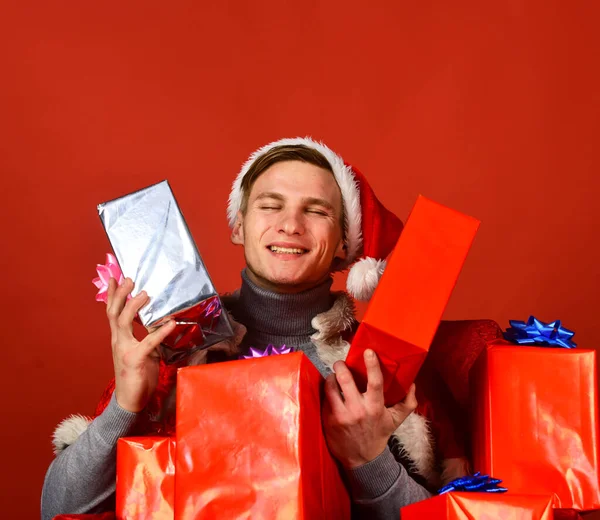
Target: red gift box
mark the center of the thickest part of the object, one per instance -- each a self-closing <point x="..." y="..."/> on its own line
<point x="406" y="309"/>
<point x="481" y="506"/>
<point x="536" y="421"/>
<point x="145" y="478"/>
<point x="250" y="442"/>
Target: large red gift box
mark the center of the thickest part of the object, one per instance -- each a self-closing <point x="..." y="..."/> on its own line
<point x="405" y="311"/>
<point x="481" y="506"/>
<point x="145" y="478"/>
<point x="250" y="443"/>
<point x="536" y="421"/>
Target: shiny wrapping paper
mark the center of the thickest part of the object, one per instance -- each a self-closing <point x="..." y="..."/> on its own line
<point x="481" y="506"/>
<point x="250" y="443"/>
<point x="535" y="421"/>
<point x="145" y="478"/>
<point x="154" y="248"/>
<point x="405" y="311"/>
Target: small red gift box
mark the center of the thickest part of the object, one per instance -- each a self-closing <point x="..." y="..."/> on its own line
<point x="406" y="309"/>
<point x="482" y="506"/>
<point x="250" y="442"/>
<point x="145" y="478"/>
<point x="536" y="421"/>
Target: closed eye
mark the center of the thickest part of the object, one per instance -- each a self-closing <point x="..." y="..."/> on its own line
<point x="269" y="207"/>
<point x="317" y="212"/>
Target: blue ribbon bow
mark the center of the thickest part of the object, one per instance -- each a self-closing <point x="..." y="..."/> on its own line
<point x="536" y="332"/>
<point x="475" y="483"/>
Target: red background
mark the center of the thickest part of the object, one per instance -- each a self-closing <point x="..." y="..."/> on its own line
<point x="491" y="108"/>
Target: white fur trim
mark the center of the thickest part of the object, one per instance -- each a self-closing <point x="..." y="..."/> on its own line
<point x="332" y="350"/>
<point x="337" y="319"/>
<point x="329" y="325"/>
<point x="454" y="468"/>
<point x="68" y="431"/>
<point x="364" y="277"/>
<point x="343" y="175"/>
<point x="416" y="440"/>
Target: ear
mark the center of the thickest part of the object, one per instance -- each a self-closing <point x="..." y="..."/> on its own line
<point x="237" y="233"/>
<point x="341" y="252"/>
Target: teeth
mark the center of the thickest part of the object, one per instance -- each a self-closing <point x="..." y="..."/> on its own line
<point x="287" y="250"/>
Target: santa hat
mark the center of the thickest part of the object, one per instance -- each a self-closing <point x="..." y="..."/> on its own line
<point x="371" y="230"/>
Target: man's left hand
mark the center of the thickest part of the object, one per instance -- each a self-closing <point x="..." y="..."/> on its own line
<point x="358" y="426"/>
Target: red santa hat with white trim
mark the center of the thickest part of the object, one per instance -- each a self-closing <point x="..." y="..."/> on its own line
<point x="371" y="230"/>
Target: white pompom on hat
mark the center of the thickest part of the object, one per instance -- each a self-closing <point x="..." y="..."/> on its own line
<point x="371" y="230"/>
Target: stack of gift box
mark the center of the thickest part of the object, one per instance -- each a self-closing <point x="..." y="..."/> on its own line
<point x="532" y="401"/>
<point x="534" y="425"/>
<point x="248" y="444"/>
<point x="248" y="441"/>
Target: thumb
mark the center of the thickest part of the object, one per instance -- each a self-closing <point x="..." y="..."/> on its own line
<point x="400" y="411"/>
<point x="153" y="340"/>
<point x="410" y="401"/>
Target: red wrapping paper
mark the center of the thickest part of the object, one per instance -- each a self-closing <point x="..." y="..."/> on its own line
<point x="406" y="309"/>
<point x="572" y="514"/>
<point x="536" y="421"/>
<point x="250" y="443"/>
<point x="481" y="506"/>
<point x="145" y="478"/>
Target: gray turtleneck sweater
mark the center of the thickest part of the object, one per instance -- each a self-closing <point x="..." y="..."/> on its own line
<point x="81" y="479"/>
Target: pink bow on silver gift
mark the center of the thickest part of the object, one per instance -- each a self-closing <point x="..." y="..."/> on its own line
<point x="105" y="272"/>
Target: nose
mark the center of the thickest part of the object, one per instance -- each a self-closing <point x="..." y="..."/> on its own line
<point x="292" y="223"/>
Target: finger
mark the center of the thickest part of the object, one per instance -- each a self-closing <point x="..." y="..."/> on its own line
<point x="404" y="408"/>
<point x="132" y="307"/>
<point x="118" y="300"/>
<point x="347" y="384"/>
<point x="409" y="403"/>
<point x="332" y="393"/>
<point x="374" y="392"/>
<point x="154" y="339"/>
<point x="112" y="287"/>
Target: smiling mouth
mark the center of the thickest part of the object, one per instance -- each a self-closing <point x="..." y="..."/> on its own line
<point x="287" y="250"/>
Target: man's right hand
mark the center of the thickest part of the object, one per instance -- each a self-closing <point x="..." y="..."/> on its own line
<point x="136" y="362"/>
<point x="358" y="425"/>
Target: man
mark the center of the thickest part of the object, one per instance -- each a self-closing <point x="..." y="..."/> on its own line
<point x="297" y="210"/>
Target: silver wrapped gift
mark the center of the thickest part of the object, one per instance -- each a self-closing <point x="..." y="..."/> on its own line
<point x="154" y="248"/>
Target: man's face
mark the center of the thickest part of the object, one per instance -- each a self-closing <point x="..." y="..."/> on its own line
<point x="291" y="231"/>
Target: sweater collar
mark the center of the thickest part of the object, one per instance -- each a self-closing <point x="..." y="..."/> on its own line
<point x="277" y="318"/>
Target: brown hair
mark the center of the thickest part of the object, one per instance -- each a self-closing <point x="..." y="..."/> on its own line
<point x="298" y="152"/>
